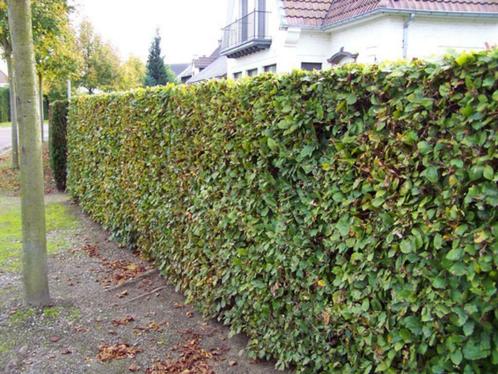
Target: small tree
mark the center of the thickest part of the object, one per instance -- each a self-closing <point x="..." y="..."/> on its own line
<point x="32" y="192"/>
<point x="132" y="74"/>
<point x="157" y="72"/>
<point x="100" y="63"/>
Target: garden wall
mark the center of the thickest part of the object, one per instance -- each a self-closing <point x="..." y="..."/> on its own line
<point x="344" y="220"/>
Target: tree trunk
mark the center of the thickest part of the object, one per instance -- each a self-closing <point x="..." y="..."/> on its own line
<point x="40" y="93"/>
<point x="13" y="114"/>
<point x="32" y="189"/>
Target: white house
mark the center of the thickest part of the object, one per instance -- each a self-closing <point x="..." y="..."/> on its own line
<point x="281" y="35"/>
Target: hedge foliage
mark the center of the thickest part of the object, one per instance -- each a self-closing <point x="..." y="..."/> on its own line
<point x="58" y="142"/>
<point x="4" y="104"/>
<point x="345" y="220"/>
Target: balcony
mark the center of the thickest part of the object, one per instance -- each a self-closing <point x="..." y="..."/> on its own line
<point x="246" y="35"/>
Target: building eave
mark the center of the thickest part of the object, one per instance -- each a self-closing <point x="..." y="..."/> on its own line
<point x="406" y="12"/>
<point x="384" y="11"/>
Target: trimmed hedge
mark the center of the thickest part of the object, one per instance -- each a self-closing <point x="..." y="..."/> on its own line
<point x="58" y="142"/>
<point x="4" y="104"/>
<point x="345" y="220"/>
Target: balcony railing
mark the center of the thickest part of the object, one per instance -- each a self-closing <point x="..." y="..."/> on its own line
<point x="246" y="35"/>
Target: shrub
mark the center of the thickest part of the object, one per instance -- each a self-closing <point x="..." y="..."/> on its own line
<point x="58" y="142"/>
<point x="345" y="220"/>
<point x="4" y="104"/>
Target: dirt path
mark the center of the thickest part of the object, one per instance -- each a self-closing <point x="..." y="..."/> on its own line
<point x="90" y="329"/>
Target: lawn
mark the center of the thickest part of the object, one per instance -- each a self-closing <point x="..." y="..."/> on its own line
<point x="59" y="220"/>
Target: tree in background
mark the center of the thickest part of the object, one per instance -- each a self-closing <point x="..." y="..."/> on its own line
<point x="132" y="74"/>
<point x="100" y="63"/>
<point x="157" y="72"/>
<point x="32" y="189"/>
<point x="55" y="53"/>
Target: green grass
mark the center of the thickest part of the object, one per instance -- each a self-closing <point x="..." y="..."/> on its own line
<point x="21" y="316"/>
<point x="58" y="217"/>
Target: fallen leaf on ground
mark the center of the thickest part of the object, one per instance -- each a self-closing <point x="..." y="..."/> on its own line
<point x="193" y="359"/>
<point x="123" y="321"/>
<point x="133" y="367"/>
<point x="116" y="352"/>
<point x="55" y="339"/>
<point x="152" y="326"/>
<point x="91" y="250"/>
<point x="123" y="294"/>
<point x="66" y="351"/>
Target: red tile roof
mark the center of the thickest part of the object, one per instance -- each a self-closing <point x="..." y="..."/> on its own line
<point x="317" y="13"/>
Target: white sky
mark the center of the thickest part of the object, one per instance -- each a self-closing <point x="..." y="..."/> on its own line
<point x="187" y="27"/>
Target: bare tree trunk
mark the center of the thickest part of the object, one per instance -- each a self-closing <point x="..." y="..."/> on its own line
<point x="40" y="93"/>
<point x="32" y="194"/>
<point x="13" y="114"/>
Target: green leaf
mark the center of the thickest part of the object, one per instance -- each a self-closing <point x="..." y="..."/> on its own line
<point x="424" y="147"/>
<point x="438" y="241"/>
<point x="456" y="357"/>
<point x="284" y="124"/>
<point x="455" y="254"/>
<point x="475" y="349"/>
<point x="439" y="283"/>
<point x="272" y="144"/>
<point x="343" y="226"/>
<point x="431" y="173"/>
<point x="413" y="324"/>
<point x="406" y="246"/>
<point x="468" y="328"/>
<point x="488" y="172"/>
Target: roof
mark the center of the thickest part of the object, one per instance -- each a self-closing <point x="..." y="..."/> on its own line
<point x="4" y="79"/>
<point x="178" y="68"/>
<point x="204" y="61"/>
<point x="217" y="69"/>
<point x="322" y="13"/>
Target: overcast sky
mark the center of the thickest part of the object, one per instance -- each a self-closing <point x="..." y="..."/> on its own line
<point x="188" y="27"/>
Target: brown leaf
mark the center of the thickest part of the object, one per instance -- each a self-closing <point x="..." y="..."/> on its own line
<point x="66" y="351"/>
<point x="116" y="352"/>
<point x="134" y="367"/>
<point x="123" y="321"/>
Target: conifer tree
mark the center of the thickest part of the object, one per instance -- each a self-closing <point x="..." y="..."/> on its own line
<point x="157" y="72"/>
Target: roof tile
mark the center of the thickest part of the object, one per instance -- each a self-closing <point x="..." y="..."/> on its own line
<point x="317" y="13"/>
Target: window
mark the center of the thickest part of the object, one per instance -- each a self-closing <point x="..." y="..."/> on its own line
<point x="252" y="72"/>
<point x="237" y="75"/>
<point x="271" y="68"/>
<point x="311" y="66"/>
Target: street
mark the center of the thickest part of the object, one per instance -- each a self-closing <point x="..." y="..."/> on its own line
<point x="5" y="137"/>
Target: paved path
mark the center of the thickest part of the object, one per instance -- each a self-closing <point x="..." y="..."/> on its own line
<point x="5" y="137"/>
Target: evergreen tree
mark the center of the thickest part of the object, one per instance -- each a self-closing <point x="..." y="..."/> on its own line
<point x="157" y="72"/>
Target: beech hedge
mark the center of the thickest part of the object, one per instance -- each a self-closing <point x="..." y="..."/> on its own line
<point x="4" y="104"/>
<point x="344" y="220"/>
<point x="58" y="142"/>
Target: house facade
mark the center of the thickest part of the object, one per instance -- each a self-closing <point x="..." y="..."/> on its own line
<point x="282" y="35"/>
